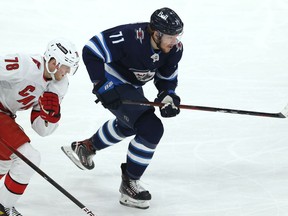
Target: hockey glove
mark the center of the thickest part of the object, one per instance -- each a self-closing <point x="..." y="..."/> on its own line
<point x="49" y="107"/>
<point x="171" y="102"/>
<point x="107" y="94"/>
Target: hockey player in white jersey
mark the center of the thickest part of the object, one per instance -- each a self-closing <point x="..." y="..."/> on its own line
<point x="37" y="83"/>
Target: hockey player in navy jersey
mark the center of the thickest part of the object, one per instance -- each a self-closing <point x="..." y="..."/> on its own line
<point x="120" y="61"/>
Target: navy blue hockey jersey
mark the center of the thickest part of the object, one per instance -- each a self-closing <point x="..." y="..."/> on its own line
<point x="124" y="54"/>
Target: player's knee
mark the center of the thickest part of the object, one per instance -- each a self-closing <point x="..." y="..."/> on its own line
<point x="150" y="127"/>
<point x="31" y="153"/>
<point x="4" y="167"/>
<point x="20" y="171"/>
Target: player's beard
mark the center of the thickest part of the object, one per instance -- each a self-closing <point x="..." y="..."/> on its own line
<point x="165" y="48"/>
<point x="162" y="47"/>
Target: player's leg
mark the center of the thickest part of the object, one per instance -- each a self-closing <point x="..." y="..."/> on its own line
<point x="18" y="177"/>
<point x="140" y="152"/>
<point x="82" y="152"/>
<point x="17" y="173"/>
<point x="111" y="132"/>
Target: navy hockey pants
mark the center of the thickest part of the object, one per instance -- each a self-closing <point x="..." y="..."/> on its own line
<point x="137" y="120"/>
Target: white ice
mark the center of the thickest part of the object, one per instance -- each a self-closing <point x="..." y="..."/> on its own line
<point x="207" y="164"/>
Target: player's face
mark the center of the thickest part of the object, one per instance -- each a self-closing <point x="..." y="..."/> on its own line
<point x="168" y="42"/>
<point x="62" y="70"/>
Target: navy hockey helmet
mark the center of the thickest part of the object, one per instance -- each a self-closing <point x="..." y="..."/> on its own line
<point x="166" y="21"/>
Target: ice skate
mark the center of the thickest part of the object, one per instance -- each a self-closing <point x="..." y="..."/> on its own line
<point x="132" y="193"/>
<point x="81" y="153"/>
<point x="8" y="211"/>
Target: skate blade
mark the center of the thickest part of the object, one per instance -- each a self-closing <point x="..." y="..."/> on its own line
<point x="72" y="156"/>
<point x="130" y="202"/>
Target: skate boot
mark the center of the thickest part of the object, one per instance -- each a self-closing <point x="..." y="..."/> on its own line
<point x="8" y="211"/>
<point x="81" y="153"/>
<point x="132" y="193"/>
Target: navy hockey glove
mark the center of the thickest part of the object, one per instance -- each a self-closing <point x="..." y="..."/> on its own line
<point x="107" y="94"/>
<point x="171" y="101"/>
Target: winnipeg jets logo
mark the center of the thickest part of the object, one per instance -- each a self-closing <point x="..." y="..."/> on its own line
<point x="155" y="57"/>
<point x="139" y="35"/>
<point x="143" y="75"/>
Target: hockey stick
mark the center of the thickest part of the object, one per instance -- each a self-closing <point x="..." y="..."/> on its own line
<point x="282" y="114"/>
<point x="45" y="176"/>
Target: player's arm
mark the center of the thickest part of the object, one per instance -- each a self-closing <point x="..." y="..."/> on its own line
<point x="94" y="64"/>
<point x="45" y="116"/>
<point x="166" y="81"/>
<point x="103" y="48"/>
<point x="166" y="94"/>
<point x="166" y="78"/>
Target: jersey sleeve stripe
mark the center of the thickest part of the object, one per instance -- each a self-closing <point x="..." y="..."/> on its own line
<point x="113" y="73"/>
<point x="171" y="77"/>
<point x="90" y="45"/>
<point x="105" y="48"/>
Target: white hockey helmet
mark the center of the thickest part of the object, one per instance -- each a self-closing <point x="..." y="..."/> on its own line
<point x="64" y="52"/>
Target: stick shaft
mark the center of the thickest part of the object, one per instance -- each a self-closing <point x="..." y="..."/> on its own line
<point x="210" y="109"/>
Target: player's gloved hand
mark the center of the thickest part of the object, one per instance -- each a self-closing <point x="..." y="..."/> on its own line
<point x="107" y="94"/>
<point x="49" y="107"/>
<point x="171" y="101"/>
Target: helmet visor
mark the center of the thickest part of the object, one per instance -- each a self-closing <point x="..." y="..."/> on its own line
<point x="71" y="66"/>
<point x="65" y="69"/>
<point x="72" y="70"/>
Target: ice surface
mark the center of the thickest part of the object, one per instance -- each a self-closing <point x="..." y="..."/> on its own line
<point x="207" y="164"/>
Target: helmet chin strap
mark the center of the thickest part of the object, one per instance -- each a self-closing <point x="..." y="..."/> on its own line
<point x="52" y="73"/>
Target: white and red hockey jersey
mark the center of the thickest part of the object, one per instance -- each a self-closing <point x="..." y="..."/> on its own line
<point x="22" y="82"/>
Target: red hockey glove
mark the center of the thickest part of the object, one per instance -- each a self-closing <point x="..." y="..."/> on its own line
<point x="50" y="107"/>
